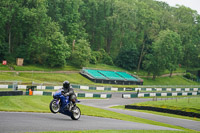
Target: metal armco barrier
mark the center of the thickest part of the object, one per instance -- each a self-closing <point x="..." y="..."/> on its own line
<point x="177" y="112"/>
<point x="102" y="88"/>
<point x="135" y="95"/>
<point x="92" y="95"/>
<point x="11" y="93"/>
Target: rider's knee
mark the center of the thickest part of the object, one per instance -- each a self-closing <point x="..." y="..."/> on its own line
<point x="73" y="98"/>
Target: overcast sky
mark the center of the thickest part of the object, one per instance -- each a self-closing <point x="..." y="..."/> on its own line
<point x="193" y="4"/>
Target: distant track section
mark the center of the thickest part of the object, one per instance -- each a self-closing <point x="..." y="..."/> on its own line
<point x="43" y="71"/>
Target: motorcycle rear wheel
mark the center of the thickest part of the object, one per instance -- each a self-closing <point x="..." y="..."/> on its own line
<point x="76" y="113"/>
<point x="54" y="107"/>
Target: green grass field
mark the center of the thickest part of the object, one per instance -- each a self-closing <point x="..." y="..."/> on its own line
<point x="76" y="78"/>
<point x="188" y="104"/>
<point x="175" y="80"/>
<point x="39" y="68"/>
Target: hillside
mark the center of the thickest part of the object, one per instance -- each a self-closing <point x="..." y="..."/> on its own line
<point x="35" y="74"/>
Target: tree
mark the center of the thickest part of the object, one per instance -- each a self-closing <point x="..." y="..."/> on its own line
<point x="155" y="63"/>
<point x="9" y="11"/>
<point x="37" y="31"/>
<point x="146" y="21"/>
<point x="28" y="32"/>
<point x="81" y="54"/>
<point x="127" y="58"/>
<point x="166" y="53"/>
<point x="175" y="52"/>
<point x="150" y="65"/>
<point x="58" y="49"/>
<point x="89" y="14"/>
<point x="66" y="14"/>
<point x="188" y="29"/>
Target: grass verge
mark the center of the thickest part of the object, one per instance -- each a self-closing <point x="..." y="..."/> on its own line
<point x="119" y="131"/>
<point x="175" y="80"/>
<point x="39" y="68"/>
<point x="75" y="78"/>
<point x="188" y="104"/>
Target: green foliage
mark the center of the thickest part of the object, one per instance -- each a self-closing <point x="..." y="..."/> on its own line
<point x="93" y="60"/>
<point x="31" y="29"/>
<point x="105" y="58"/>
<point x="172" y="42"/>
<point x="188" y="29"/>
<point x="96" y="57"/>
<point x="127" y="58"/>
<point x="58" y="50"/>
<point x="3" y="51"/>
<point x="81" y="54"/>
<point x="10" y="59"/>
<point x="166" y="53"/>
<point x="190" y="76"/>
<point x="66" y="14"/>
<point x="101" y="57"/>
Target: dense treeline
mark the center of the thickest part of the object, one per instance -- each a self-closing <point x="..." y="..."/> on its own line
<point x="132" y="34"/>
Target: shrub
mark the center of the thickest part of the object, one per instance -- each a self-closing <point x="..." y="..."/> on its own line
<point x="101" y="57"/>
<point x="107" y="60"/>
<point x="98" y="55"/>
<point x="190" y="76"/>
<point x="93" y="60"/>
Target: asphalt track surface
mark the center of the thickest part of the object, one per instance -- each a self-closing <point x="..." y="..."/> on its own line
<point x="12" y="122"/>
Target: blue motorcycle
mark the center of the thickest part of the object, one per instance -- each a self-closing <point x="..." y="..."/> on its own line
<point x="63" y="105"/>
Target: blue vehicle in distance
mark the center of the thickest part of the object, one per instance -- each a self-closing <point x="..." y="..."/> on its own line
<point x="62" y="105"/>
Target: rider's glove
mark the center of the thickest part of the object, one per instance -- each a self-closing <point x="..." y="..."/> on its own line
<point x="66" y="94"/>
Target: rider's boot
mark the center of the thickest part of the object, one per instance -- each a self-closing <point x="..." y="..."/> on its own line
<point x="73" y="106"/>
<point x="70" y="106"/>
<point x="67" y="107"/>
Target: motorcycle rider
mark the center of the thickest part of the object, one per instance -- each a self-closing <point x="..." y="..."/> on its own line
<point x="69" y="91"/>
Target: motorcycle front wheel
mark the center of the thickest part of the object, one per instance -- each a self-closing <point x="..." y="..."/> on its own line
<point x="76" y="113"/>
<point x="54" y="106"/>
